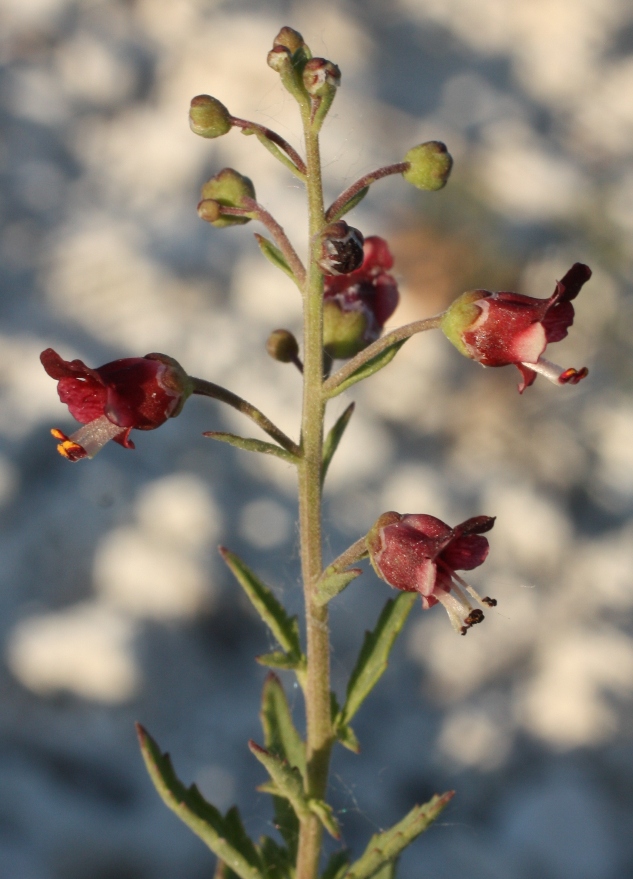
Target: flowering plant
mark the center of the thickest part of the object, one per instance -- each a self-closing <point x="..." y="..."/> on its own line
<point x="348" y="296"/>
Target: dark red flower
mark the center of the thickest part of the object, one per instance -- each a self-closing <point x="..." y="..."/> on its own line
<point x="419" y="553"/>
<point x="358" y="304"/>
<point x="138" y="393"/>
<point x="498" y="329"/>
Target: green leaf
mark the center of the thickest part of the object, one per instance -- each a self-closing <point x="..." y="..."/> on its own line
<point x="386" y="847"/>
<point x="337" y="865"/>
<point x="325" y="814"/>
<point x="280" y="734"/>
<point x="388" y="871"/>
<point x="251" y="445"/>
<point x="224" y="836"/>
<point x="347" y="206"/>
<point x="287" y="780"/>
<point x="277" y="861"/>
<point x="374" y="654"/>
<point x="347" y="737"/>
<point x="333" y="439"/>
<point x="284" y="661"/>
<point x="274" y="255"/>
<point x="374" y="365"/>
<point x="330" y="585"/>
<point x="284" y="628"/>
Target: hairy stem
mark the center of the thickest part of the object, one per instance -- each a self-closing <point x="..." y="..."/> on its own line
<point x="318" y="712"/>
<point x="365" y="180"/>
<point x="272" y="136"/>
<point x="217" y="392"/>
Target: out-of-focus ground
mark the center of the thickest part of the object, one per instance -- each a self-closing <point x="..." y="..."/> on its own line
<point x="114" y="606"/>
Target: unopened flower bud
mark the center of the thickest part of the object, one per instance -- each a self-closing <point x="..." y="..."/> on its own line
<point x="208" y="210"/>
<point x="279" y="58"/>
<point x="290" y="39"/>
<point x="282" y="346"/>
<point x="321" y="77"/>
<point x="208" y="117"/>
<point x="429" y="165"/>
<point x="341" y="249"/>
<point x="228" y="188"/>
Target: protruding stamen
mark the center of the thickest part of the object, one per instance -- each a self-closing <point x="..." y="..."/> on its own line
<point x="557" y="374"/>
<point x="88" y="440"/>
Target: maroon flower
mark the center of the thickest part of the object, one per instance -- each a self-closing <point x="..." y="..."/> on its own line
<point x="419" y="553"/>
<point x="358" y="304"/>
<point x="134" y="393"/>
<point x="502" y="328"/>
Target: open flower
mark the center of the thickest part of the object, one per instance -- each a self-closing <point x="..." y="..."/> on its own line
<point x="419" y="553"/>
<point x="134" y="393"/>
<point x="502" y="328"/>
<point x="357" y="304"/>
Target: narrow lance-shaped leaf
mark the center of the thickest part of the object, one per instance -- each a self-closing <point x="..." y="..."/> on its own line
<point x="248" y="444"/>
<point x="333" y="439"/>
<point x="374" y="654"/>
<point x="374" y="365"/>
<point x="283" y="627"/>
<point x="332" y="584"/>
<point x="280" y="734"/>
<point x="274" y="255"/>
<point x="226" y="838"/>
<point x="387" y="846"/>
<point x="347" y="206"/>
<point x="286" y="780"/>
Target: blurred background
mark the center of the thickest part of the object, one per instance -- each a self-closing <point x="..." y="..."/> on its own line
<point x="114" y="604"/>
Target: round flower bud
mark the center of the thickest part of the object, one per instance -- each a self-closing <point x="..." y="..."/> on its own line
<point x="290" y="39"/>
<point x="321" y="77"/>
<point x="228" y="188"/>
<point x="429" y="165"/>
<point x="209" y="210"/>
<point x="341" y="249"/>
<point x="279" y="59"/>
<point x="282" y="346"/>
<point x="208" y="117"/>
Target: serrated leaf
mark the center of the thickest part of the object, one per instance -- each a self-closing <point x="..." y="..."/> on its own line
<point x="284" y="628"/>
<point x="333" y="439"/>
<point x="237" y="836"/>
<point x="201" y="817"/>
<point x="336" y="867"/>
<point x="333" y="216"/>
<point x="374" y="365"/>
<point x="325" y="814"/>
<point x="331" y="585"/>
<point x="280" y="734"/>
<point x="274" y="256"/>
<point x="278" y="659"/>
<point x="248" y="444"/>
<point x="286" y="779"/>
<point x="374" y="654"/>
<point x="386" y="847"/>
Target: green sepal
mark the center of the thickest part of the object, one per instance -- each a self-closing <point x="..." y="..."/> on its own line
<point x="384" y="848"/>
<point x="274" y="255"/>
<point x="333" y="438"/>
<point x="284" y="628"/>
<point x="283" y="661"/>
<point x="347" y="206"/>
<point x="337" y="865"/>
<point x="249" y="444"/>
<point x="374" y="654"/>
<point x="224" y="836"/>
<point x="281" y="736"/>
<point x="286" y="780"/>
<point x="332" y="584"/>
<point x="374" y="365"/>
<point x="277" y="861"/>
<point x="325" y="814"/>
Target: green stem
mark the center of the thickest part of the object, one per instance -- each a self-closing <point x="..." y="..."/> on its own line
<point x="399" y="335"/>
<point x="217" y="392"/>
<point x="318" y="712"/>
<point x="354" y="553"/>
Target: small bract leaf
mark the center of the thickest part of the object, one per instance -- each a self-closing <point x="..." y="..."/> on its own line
<point x="286" y="779"/>
<point x="283" y="627"/>
<point x="333" y="439"/>
<point x="274" y="255"/>
<point x="347" y="737"/>
<point x="325" y="814"/>
<point x="386" y="847"/>
<point x="374" y="654"/>
<point x="251" y="445"/>
<point x="330" y="585"/>
<point x="284" y="661"/>
<point x="374" y="365"/>
<point x="224" y="836"/>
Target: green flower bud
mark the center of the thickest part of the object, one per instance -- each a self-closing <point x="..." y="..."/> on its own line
<point x="429" y="165"/>
<point x="227" y="188"/>
<point x="282" y="346"/>
<point x="208" y="117"/>
<point x="321" y="78"/>
<point x="209" y="210"/>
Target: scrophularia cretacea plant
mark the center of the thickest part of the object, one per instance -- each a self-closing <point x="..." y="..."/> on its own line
<point x="348" y="295"/>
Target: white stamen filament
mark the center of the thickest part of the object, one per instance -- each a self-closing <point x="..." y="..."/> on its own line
<point x="551" y="371"/>
<point x="453" y="608"/>
<point x="93" y="436"/>
<point x="468" y="588"/>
